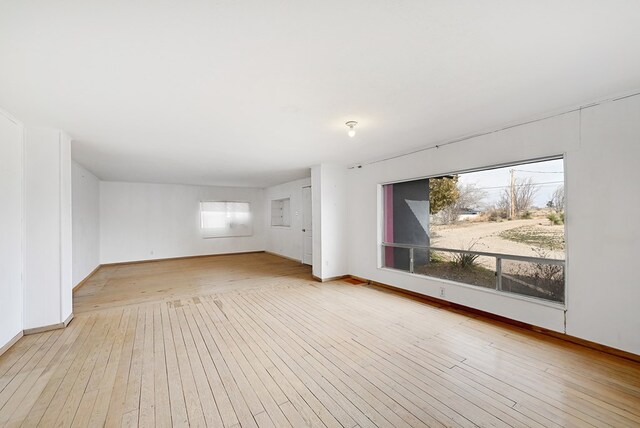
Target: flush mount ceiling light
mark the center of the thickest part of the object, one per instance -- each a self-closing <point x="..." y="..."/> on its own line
<point x="351" y="124"/>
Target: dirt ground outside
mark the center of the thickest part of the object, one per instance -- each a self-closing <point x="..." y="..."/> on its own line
<point x="535" y="237"/>
<point x="490" y="237"/>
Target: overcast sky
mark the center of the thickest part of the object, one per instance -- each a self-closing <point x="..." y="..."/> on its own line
<point x="547" y="175"/>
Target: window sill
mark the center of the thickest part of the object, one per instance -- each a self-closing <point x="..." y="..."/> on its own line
<point x="554" y="305"/>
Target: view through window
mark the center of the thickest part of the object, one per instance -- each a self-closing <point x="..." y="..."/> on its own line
<point x="225" y="219"/>
<point x="499" y="228"/>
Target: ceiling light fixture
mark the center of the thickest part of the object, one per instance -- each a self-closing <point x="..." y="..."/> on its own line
<point x="351" y="124"/>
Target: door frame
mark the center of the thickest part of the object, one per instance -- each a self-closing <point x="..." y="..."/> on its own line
<point x="303" y="229"/>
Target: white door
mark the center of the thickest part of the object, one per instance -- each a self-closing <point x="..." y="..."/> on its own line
<point x="307" y="241"/>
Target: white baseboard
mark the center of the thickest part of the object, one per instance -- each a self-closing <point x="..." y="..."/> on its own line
<point x="11" y="342"/>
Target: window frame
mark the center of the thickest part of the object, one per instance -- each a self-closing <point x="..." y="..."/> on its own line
<point x="382" y="224"/>
<point x="206" y="232"/>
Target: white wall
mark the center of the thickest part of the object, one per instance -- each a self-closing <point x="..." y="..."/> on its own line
<point x="603" y="183"/>
<point x="316" y="221"/>
<point x="35" y="227"/>
<point x="11" y="248"/>
<point x="329" y="194"/>
<point x="286" y="241"/>
<point x="86" y="222"/>
<point x="545" y="138"/>
<point x="601" y="144"/>
<point x="66" y="227"/>
<point x="48" y="265"/>
<point x="141" y="221"/>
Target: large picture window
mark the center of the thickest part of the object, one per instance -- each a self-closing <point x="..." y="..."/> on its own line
<point x="500" y="228"/>
<point x="225" y="219"/>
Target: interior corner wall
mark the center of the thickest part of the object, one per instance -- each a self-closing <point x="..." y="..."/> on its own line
<point x="11" y="238"/>
<point x="282" y="240"/>
<point x="142" y="221"/>
<point x="329" y="206"/>
<point x="86" y="222"/>
<point x="47" y="225"/>
<point x="601" y="145"/>
<point x="316" y="221"/>
<point x="66" y="227"/>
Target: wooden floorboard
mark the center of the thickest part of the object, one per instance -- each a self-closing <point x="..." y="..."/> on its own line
<point x="252" y="341"/>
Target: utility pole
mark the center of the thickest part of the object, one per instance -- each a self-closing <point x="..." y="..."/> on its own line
<point x="512" y="189"/>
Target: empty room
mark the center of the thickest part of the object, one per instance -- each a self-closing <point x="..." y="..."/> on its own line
<point x="277" y="213"/>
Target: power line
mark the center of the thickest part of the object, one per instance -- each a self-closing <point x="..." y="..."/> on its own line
<point x="546" y="183"/>
<point x="540" y="172"/>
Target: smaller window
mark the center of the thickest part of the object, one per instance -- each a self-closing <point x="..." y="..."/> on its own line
<point x="225" y="219"/>
<point x="281" y="212"/>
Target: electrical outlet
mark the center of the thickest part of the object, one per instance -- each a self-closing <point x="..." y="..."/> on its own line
<point x="441" y="291"/>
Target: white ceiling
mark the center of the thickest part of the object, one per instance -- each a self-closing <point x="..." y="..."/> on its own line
<point x="252" y="93"/>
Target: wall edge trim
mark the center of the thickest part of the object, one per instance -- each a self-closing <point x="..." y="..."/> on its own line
<point x="135" y="262"/>
<point x="11" y="342"/>
<point x="444" y="304"/>
<point x="293" y="259"/>
<point x="50" y="327"/>
<point x="86" y="278"/>
<point x="331" y="278"/>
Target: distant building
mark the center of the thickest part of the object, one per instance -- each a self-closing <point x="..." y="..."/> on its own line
<point x="467" y="214"/>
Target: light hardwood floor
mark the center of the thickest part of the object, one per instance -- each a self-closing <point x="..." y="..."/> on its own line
<point x="251" y="340"/>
